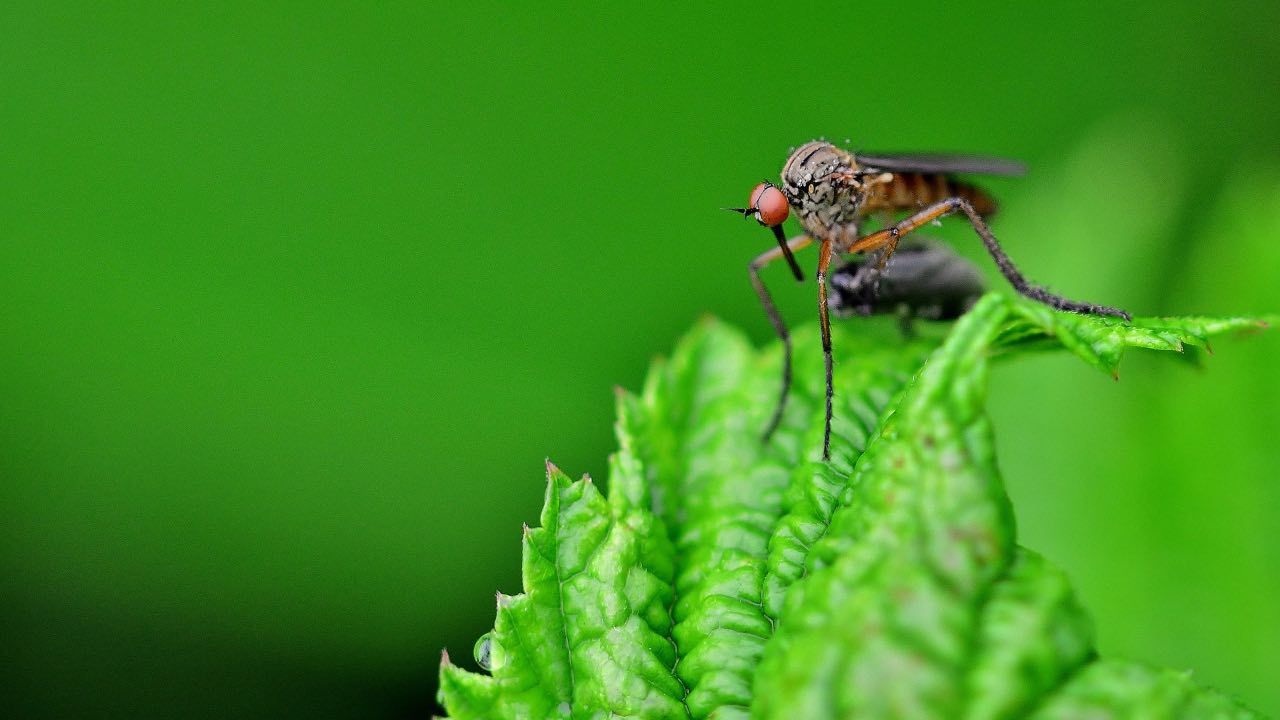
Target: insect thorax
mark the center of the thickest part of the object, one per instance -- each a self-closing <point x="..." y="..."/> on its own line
<point x="815" y="180"/>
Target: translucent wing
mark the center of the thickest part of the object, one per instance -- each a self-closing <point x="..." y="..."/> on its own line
<point x="940" y="163"/>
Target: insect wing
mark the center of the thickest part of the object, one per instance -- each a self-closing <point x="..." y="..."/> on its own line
<point x="941" y="163"/>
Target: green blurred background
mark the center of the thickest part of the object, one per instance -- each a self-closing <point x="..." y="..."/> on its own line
<point x="296" y="299"/>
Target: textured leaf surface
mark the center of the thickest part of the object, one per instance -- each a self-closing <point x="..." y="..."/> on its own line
<point x="1101" y="342"/>
<point x="723" y="577"/>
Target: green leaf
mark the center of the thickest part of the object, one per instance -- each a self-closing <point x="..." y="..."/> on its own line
<point x="1101" y="341"/>
<point x="884" y="625"/>
<point x="592" y="628"/>
<point x="1118" y="689"/>
<point x="724" y="577"/>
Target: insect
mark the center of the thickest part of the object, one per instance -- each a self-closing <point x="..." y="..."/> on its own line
<point x="833" y="192"/>
<point x="928" y="281"/>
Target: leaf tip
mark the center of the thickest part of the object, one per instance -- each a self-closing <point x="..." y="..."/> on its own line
<point x="707" y="320"/>
<point x="552" y="469"/>
<point x="444" y="658"/>
<point x="586" y="478"/>
<point x="503" y="599"/>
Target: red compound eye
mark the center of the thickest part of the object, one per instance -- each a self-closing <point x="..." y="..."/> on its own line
<point x="769" y="204"/>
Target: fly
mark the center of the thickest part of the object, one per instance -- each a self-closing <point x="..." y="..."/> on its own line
<point x="833" y="191"/>
<point x="927" y="281"/>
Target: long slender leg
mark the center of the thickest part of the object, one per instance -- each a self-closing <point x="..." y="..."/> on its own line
<point x="889" y="237"/>
<point x="824" y="261"/>
<point x="796" y="243"/>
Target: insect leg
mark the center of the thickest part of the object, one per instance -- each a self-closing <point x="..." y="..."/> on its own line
<point x="796" y="243"/>
<point x="824" y="320"/>
<point x="889" y="237"/>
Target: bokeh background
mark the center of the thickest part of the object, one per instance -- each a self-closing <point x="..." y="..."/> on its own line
<point x="295" y="299"/>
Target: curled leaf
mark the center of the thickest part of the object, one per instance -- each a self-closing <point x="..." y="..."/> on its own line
<point x="722" y="577"/>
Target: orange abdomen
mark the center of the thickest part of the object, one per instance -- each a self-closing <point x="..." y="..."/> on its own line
<point x="913" y="191"/>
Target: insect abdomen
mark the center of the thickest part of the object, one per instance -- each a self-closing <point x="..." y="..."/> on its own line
<point x="912" y="191"/>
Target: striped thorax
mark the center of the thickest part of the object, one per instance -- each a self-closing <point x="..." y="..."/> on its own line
<point x="825" y="189"/>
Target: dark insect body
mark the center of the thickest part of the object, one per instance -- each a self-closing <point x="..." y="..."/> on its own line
<point x="833" y="191"/>
<point x="928" y="282"/>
